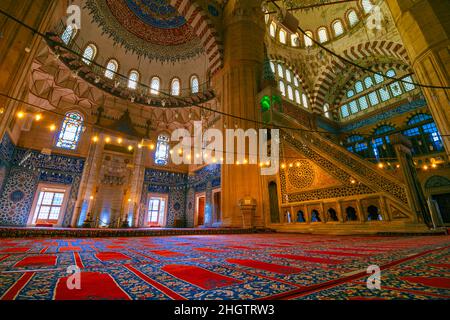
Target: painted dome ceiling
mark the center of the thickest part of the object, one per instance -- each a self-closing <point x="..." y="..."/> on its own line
<point x="150" y="28"/>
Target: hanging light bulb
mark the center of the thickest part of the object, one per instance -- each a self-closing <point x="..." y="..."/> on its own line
<point x="20" y="114"/>
<point x="38" y="117"/>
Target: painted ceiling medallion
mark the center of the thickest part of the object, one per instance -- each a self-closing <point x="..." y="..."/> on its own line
<point x="150" y="28"/>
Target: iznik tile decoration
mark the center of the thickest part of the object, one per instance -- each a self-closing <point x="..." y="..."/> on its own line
<point x="12" y="212"/>
<point x="28" y="169"/>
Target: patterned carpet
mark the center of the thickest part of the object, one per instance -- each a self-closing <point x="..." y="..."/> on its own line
<point x="250" y="267"/>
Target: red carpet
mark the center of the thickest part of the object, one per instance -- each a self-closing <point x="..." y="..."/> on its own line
<point x="94" y="286"/>
<point x="225" y="267"/>
<point x="199" y="277"/>
<point x="37" y="261"/>
<point x="265" y="266"/>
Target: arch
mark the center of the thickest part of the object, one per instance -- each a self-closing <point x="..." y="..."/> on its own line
<point x="175" y="87"/>
<point x="300" y="216"/>
<point x="282" y="36"/>
<point x="437" y="182"/>
<point x="155" y="85"/>
<point x="315" y="216"/>
<point x="89" y="53"/>
<point x="352" y="18"/>
<point x="204" y="28"/>
<point x="373" y="213"/>
<point x="307" y="38"/>
<point x="195" y="85"/>
<point x="367" y="6"/>
<point x="332" y="215"/>
<point x="69" y="34"/>
<point x="111" y="69"/>
<point x="273" y="29"/>
<point x="273" y="199"/>
<point x="368" y="49"/>
<point x="338" y="27"/>
<point x="133" y="79"/>
<point x="70" y="131"/>
<point x="322" y="34"/>
<point x="351" y="214"/>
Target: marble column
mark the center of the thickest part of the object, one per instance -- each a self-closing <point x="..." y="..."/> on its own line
<point x="135" y="186"/>
<point x="237" y="85"/>
<point x="86" y="195"/>
<point x="424" y="26"/>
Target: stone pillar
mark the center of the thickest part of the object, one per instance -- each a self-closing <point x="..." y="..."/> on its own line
<point x="18" y="47"/>
<point x="424" y="26"/>
<point x="416" y="198"/>
<point x="247" y="207"/>
<point x="237" y="85"/>
<point x="136" y="184"/>
<point x="85" y="204"/>
<point x="208" y="206"/>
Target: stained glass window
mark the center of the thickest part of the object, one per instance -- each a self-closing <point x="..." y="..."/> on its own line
<point x="194" y="84"/>
<point x="308" y="39"/>
<point x="111" y="69"/>
<point x="175" y="88"/>
<point x="338" y="28"/>
<point x="272" y="29"/>
<point x="290" y="93"/>
<point x="408" y="86"/>
<point x="70" y="132"/>
<point x="68" y="34"/>
<point x="344" y="111"/>
<point x="352" y="18"/>
<point x="162" y="150"/>
<point x="294" y="40"/>
<point x="133" y="79"/>
<point x="280" y="71"/>
<point x="305" y="100"/>
<point x="297" y="96"/>
<point x="282" y="88"/>
<point x="326" y="109"/>
<point x="367" y="6"/>
<point x="323" y="35"/>
<point x="154" y="86"/>
<point x="373" y="98"/>
<point x="283" y="36"/>
<point x="89" y="54"/>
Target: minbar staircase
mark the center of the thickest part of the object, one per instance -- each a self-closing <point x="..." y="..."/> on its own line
<point x="345" y="167"/>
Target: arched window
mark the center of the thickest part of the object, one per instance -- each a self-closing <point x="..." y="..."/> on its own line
<point x="272" y="66"/>
<point x="367" y="6"/>
<point x="133" y="79"/>
<point x="282" y="88"/>
<point x="280" y="71"/>
<point x="154" y="86"/>
<point x="111" y="69"/>
<point x="89" y="54"/>
<point x="305" y="100"/>
<point x="290" y="93"/>
<point x="175" y="87"/>
<point x="424" y="135"/>
<point x="338" y="28"/>
<point x="162" y="150"/>
<point x="273" y="29"/>
<point x="300" y="216"/>
<point x="332" y="215"/>
<point x="351" y="214"/>
<point x="283" y="36"/>
<point x="308" y="38"/>
<point x="69" y="33"/>
<point x="194" y="84"/>
<point x="326" y="109"/>
<point x="70" y="132"/>
<point x="315" y="216"/>
<point x="297" y="97"/>
<point x="352" y="18"/>
<point x="373" y="214"/>
<point x="294" y="40"/>
<point x="288" y="75"/>
<point x="322" y="34"/>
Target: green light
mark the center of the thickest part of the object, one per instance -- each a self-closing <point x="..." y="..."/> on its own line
<point x="265" y="103"/>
